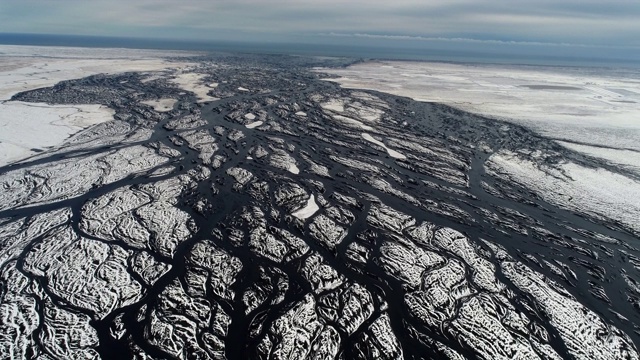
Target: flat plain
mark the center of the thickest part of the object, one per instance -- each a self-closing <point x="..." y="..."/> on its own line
<point x="244" y="207"/>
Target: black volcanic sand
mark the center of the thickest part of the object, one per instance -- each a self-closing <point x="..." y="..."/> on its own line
<point x="292" y="79"/>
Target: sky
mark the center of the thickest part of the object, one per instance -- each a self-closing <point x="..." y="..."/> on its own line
<point x="583" y="25"/>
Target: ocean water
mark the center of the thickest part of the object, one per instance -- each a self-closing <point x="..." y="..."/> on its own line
<point x="391" y="51"/>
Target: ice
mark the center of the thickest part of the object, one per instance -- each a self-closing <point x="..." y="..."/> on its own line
<point x="293" y="169"/>
<point x="153" y="236"/>
<point x="629" y="159"/>
<point x="352" y="123"/>
<point x="333" y="105"/>
<point x="36" y="67"/>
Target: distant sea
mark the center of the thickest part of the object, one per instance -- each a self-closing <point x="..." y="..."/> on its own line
<point x="396" y="52"/>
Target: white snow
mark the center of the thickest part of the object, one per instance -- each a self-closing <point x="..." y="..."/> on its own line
<point x="35" y="126"/>
<point x="584" y="105"/>
<point x="352" y="122"/>
<point x="394" y="154"/>
<point x="192" y="82"/>
<point x="301" y="113"/>
<point x="595" y="191"/>
<point x="596" y="108"/>
<point x="309" y="209"/>
<point x="333" y="105"/>
<point x="254" y="124"/>
<point x="293" y="169"/>
<point x="250" y="116"/>
<point x="28" y="126"/>
<point x="627" y="158"/>
<point x="242" y="89"/>
<point x="27" y="73"/>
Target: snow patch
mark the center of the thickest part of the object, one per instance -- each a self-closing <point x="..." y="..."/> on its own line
<point x="309" y="209"/>
<point x="161" y="105"/>
<point x="352" y="122"/>
<point x="581" y="105"/>
<point x="254" y="124"/>
<point x="394" y="154"/>
<point x="293" y="169"/>
<point x="333" y="105"/>
<point x="192" y="82"/>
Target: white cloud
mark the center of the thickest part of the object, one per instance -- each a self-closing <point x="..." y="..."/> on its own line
<point x="586" y="22"/>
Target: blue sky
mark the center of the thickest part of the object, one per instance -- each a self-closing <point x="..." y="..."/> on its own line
<point x="581" y="24"/>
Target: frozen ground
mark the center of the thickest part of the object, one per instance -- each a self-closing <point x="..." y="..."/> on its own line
<point x="346" y="225"/>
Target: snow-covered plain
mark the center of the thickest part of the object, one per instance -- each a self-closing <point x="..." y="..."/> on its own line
<point x="28" y="128"/>
<point x="592" y="111"/>
<point x="119" y="241"/>
<point x="597" y="106"/>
